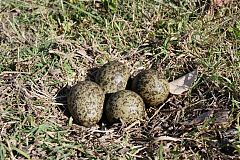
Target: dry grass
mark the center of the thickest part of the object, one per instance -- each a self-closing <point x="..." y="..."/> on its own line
<point x="47" y="46"/>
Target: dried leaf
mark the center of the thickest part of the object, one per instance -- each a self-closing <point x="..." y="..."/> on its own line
<point x="222" y="118"/>
<point x="201" y="117"/>
<point x="221" y="2"/>
<point x="183" y="83"/>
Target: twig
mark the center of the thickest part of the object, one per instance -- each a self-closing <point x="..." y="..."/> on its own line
<point x="13" y="72"/>
<point x="158" y="111"/>
<point x="166" y="138"/>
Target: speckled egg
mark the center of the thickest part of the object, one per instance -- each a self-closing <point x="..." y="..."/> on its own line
<point x="125" y="105"/>
<point x="85" y="103"/>
<point x="113" y="76"/>
<point x="151" y="87"/>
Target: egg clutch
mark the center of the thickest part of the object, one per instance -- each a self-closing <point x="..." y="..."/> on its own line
<point x="86" y="100"/>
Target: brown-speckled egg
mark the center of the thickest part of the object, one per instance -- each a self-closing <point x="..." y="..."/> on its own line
<point x="151" y="87"/>
<point x="85" y="103"/>
<point x="113" y="76"/>
<point x="125" y="105"/>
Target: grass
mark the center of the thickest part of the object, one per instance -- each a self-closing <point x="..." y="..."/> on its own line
<point x="48" y="45"/>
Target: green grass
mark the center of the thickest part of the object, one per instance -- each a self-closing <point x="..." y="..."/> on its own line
<point x="47" y="45"/>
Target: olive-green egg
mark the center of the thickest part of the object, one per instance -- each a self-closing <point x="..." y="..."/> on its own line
<point x="85" y="103"/>
<point x="113" y="76"/>
<point x="151" y="87"/>
<point x="125" y="105"/>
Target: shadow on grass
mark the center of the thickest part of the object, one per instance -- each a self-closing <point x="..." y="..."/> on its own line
<point x="62" y="100"/>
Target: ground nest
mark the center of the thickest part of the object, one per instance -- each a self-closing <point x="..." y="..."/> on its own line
<point x="46" y="47"/>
